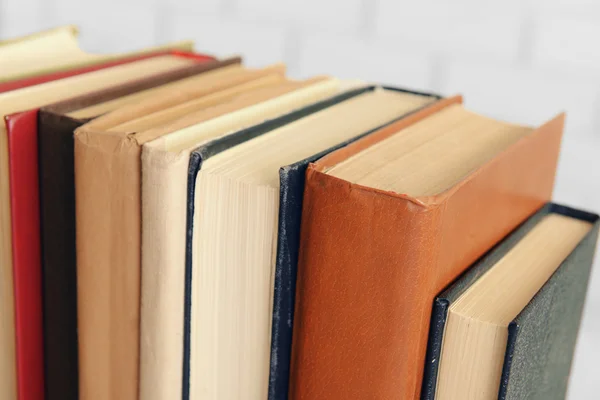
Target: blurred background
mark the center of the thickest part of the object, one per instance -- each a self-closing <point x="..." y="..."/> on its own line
<point x="519" y="60"/>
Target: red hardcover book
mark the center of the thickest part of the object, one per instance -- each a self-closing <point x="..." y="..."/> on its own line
<point x="25" y="230"/>
<point x="25" y="212"/>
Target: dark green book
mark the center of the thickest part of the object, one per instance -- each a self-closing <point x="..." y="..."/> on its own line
<point x="538" y="348"/>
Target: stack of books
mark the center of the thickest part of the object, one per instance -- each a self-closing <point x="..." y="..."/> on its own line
<point x="177" y="226"/>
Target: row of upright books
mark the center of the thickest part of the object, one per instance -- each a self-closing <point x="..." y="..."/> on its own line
<point x="176" y="226"/>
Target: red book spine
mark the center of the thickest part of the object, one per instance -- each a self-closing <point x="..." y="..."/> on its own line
<point x="25" y="212"/>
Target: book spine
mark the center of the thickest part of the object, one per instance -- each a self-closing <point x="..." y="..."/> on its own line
<point x="164" y="188"/>
<point x="366" y="262"/>
<point x="25" y="229"/>
<point x="107" y="191"/>
<point x="439" y="316"/>
<point x="57" y="205"/>
<point x="291" y="180"/>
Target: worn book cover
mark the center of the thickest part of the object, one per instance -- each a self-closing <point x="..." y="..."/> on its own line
<point x="371" y="262"/>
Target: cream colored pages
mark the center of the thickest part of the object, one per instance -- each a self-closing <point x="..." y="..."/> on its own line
<point x="28" y="98"/>
<point x="55" y="50"/>
<point x="164" y="186"/>
<point x="192" y="111"/>
<point x="122" y="119"/>
<point x="310" y="135"/>
<point x="433" y="154"/>
<point x="234" y="75"/>
<point x="243" y="107"/>
<point x="237" y="203"/>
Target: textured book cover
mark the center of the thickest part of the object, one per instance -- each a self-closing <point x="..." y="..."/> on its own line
<point x="291" y="179"/>
<point x="57" y="217"/>
<point x="371" y="263"/>
<point x="541" y="339"/>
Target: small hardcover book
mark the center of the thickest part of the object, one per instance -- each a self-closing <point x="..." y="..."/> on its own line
<point x="507" y="328"/>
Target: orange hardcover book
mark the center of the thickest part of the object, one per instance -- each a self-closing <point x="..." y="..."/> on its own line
<point x="388" y="222"/>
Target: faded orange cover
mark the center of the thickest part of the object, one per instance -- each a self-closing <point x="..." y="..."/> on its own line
<point x="371" y="263"/>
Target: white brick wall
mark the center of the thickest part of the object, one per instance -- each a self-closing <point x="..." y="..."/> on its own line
<point x="522" y="60"/>
<point x="131" y="27"/>
<point x="566" y="42"/>
<point x="351" y="57"/>
<point x="346" y="15"/>
<point x="524" y="95"/>
<point x="260" y="42"/>
<point x="17" y="18"/>
<point x="472" y="27"/>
